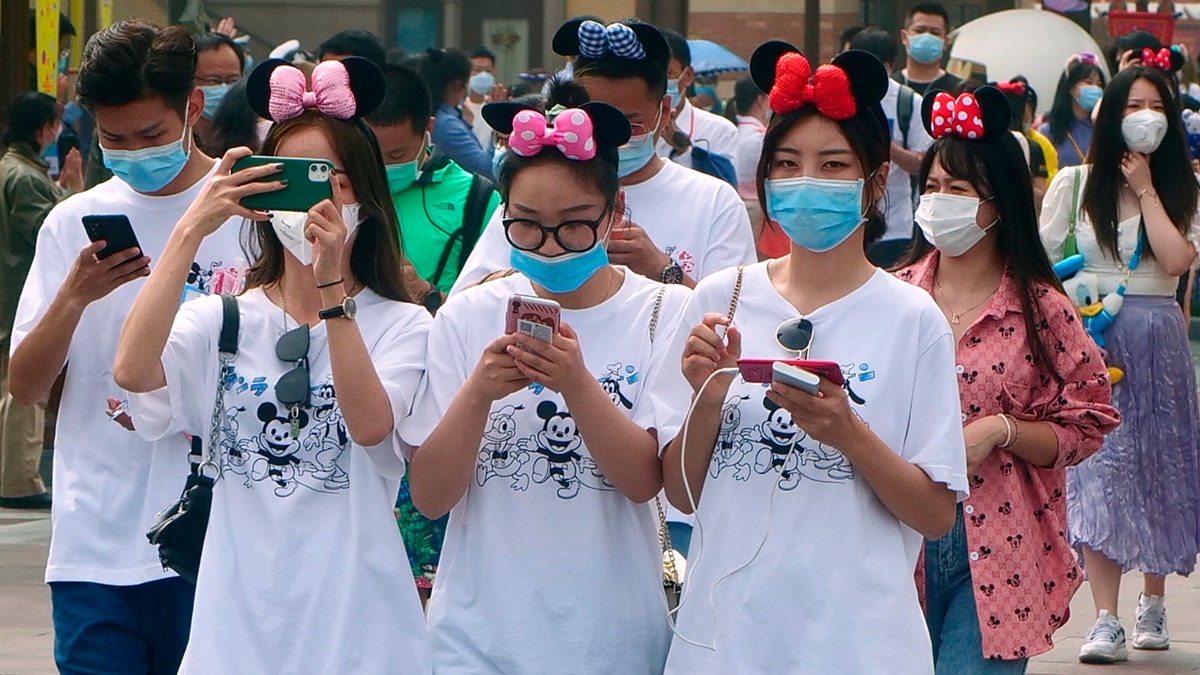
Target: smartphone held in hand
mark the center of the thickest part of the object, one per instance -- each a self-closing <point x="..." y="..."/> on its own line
<point x="114" y="230"/>
<point x="536" y="317"/>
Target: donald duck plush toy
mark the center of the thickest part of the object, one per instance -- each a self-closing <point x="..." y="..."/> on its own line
<point x="1083" y="288"/>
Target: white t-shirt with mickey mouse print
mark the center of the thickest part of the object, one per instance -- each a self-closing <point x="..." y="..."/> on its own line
<point x="546" y="568"/>
<point x="304" y="569"/>
<point x="697" y="220"/>
<point x="835" y="572"/>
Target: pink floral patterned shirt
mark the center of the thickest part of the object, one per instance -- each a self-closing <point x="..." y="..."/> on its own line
<point x="1022" y="569"/>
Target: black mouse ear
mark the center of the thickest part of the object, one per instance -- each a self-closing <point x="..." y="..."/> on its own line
<point x="653" y="42"/>
<point x="499" y="116"/>
<point x="258" y="86"/>
<point x="762" y="62"/>
<point x="610" y="127"/>
<point x="1177" y="59"/>
<point x="566" y="38"/>
<point x="366" y="81"/>
<point x="997" y="113"/>
<point x="868" y="77"/>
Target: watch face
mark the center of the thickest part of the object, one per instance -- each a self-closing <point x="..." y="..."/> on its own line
<point x="672" y="274"/>
<point x="350" y="307"/>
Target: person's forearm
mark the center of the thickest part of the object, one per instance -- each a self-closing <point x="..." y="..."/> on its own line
<point x="364" y="402"/>
<point x="625" y="453"/>
<point x="1036" y="442"/>
<point x="904" y="488"/>
<point x="41" y="356"/>
<point x="909" y="160"/>
<point x="1171" y="249"/>
<point x="442" y="468"/>
<point x="702" y="429"/>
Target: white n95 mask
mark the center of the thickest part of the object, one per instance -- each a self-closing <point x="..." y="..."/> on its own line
<point x="289" y="227"/>
<point x="949" y="222"/>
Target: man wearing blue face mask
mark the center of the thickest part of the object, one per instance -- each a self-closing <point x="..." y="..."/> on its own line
<point x="680" y="225"/>
<point x="219" y="65"/>
<point x="115" y="609"/>
<point x="925" y="36"/>
<point x="441" y="207"/>
<point x="482" y="88"/>
<point x="691" y="126"/>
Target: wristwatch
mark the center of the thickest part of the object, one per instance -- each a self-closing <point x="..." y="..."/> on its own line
<point x="348" y="309"/>
<point x="672" y="274"/>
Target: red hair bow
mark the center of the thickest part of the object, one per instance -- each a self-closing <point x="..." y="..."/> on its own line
<point x="829" y="89"/>
<point x="1160" y="60"/>
<point x="1012" y="88"/>
<point x="960" y="116"/>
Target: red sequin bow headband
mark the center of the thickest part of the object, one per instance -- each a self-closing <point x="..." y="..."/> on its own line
<point x="960" y="116"/>
<point x="829" y="88"/>
<point x="1160" y="59"/>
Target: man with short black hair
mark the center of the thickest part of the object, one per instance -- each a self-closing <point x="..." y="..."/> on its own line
<point x="219" y="65"/>
<point x="441" y="206"/>
<point x="902" y="106"/>
<point x="925" y="34"/>
<point x="353" y="42"/>
<point x="115" y="608"/>
<point x="482" y="88"/>
<point x="690" y="126"/>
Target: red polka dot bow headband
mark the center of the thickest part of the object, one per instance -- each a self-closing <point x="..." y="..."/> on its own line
<point x="1160" y="59"/>
<point x="960" y="116"/>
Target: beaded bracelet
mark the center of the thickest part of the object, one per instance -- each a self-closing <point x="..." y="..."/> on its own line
<point x="1012" y="430"/>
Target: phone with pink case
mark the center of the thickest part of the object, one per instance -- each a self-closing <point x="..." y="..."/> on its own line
<point x="761" y="371"/>
<point x="533" y="316"/>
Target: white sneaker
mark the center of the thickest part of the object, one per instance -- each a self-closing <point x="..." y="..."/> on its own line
<point x="1105" y="642"/>
<point x="1150" y="631"/>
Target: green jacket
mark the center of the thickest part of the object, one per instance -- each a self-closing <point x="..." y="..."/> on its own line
<point x="26" y="195"/>
<point x="431" y="213"/>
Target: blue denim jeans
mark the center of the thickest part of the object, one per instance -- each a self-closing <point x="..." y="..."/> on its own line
<point x="950" y="610"/>
<point x="121" y="630"/>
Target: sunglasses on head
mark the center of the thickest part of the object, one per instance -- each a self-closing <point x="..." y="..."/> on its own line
<point x="292" y="389"/>
<point x="795" y="335"/>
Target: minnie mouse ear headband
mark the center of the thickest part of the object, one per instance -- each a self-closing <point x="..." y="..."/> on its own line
<point x="578" y="133"/>
<point x="982" y="115"/>
<point x="344" y="90"/>
<point x="593" y="40"/>
<point x="1169" y="59"/>
<point x="854" y="81"/>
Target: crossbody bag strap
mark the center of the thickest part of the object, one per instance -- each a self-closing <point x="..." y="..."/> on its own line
<point x="1070" y="245"/>
<point x="664" y="533"/>
<point x="737" y="292"/>
<point x="227" y="348"/>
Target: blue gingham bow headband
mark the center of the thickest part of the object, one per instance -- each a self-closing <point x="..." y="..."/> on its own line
<point x="596" y="41"/>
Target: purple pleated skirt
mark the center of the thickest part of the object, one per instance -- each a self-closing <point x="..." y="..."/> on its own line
<point x="1137" y="500"/>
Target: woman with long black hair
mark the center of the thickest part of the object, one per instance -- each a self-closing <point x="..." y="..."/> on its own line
<point x="1069" y="122"/>
<point x="1131" y="213"/>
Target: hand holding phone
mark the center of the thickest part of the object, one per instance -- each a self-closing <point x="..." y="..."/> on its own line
<point x="114" y="230"/>
<point x="306" y="183"/>
<point x="533" y="316"/>
<point x="112" y="259"/>
<point x="795" y="377"/>
<point x="762" y="371"/>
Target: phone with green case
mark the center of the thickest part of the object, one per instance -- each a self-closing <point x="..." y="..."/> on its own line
<point x="308" y="182"/>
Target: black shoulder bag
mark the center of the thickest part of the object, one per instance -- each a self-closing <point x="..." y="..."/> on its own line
<point x="178" y="531"/>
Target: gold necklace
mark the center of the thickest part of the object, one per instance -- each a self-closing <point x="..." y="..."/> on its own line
<point x="956" y="317"/>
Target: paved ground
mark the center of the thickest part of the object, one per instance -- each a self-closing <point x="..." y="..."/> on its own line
<point x="26" y="638"/>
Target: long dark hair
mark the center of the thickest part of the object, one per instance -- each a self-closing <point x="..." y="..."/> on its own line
<point x="375" y="259"/>
<point x="868" y="135"/>
<point x="997" y="168"/>
<point x="1170" y="166"/>
<point x="1062" y="112"/>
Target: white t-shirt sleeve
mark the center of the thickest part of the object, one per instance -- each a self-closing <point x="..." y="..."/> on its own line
<point x="653" y="410"/>
<point x="399" y="359"/>
<point x="934" y="440"/>
<point x="491" y="254"/>
<point x="732" y="241"/>
<point x="1055" y="220"/>
<point x="447" y="366"/>
<point x="51" y="264"/>
<point x="918" y="139"/>
<point x="190" y="364"/>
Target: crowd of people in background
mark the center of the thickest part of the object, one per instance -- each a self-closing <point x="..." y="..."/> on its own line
<point x="866" y="353"/>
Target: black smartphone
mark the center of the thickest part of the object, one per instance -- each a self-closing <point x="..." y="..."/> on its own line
<point x="115" y="230"/>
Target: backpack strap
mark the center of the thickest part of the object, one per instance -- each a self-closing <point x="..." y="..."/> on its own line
<point x="904" y="111"/>
<point x="230" y="320"/>
<point x="475" y="212"/>
<point x="1070" y="246"/>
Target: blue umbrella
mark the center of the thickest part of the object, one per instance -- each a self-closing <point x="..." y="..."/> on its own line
<point x="710" y="58"/>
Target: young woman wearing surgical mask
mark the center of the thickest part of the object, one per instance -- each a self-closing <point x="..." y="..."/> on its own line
<point x="545" y="453"/>
<point x="1136" y="503"/>
<point x="1069" y="122"/>
<point x="1033" y="390"/>
<point x="330" y="354"/>
<point x="812" y="507"/>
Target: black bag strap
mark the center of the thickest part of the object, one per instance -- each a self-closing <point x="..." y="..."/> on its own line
<point x="904" y="111"/>
<point x="474" y="213"/>
<point x="230" y="323"/>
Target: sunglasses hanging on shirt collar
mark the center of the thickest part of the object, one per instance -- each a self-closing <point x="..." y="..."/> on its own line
<point x="292" y="389"/>
<point x="796" y="335"/>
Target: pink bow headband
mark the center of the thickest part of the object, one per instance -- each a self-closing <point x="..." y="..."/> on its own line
<point x="571" y="134"/>
<point x="330" y="95"/>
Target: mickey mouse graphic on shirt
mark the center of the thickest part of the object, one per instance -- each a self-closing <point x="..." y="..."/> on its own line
<point x="557" y="454"/>
<point x="329" y="438"/>
<point x="499" y="456"/>
<point x="278" y="451"/>
<point x="779" y="437"/>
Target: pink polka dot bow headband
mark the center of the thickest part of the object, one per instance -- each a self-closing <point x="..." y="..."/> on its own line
<point x="571" y="134"/>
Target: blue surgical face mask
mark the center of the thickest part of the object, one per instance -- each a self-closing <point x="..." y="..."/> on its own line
<point x="481" y="83"/>
<point x="817" y="214"/>
<point x="213" y="95"/>
<point x="560" y="274"/>
<point x="706" y="90"/>
<point x="925" y="47"/>
<point x="149" y="169"/>
<point x="1089" y="96"/>
<point x="673" y="92"/>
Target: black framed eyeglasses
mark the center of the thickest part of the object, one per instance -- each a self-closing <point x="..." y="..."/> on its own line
<point x="292" y="389"/>
<point x="795" y="335"/>
<point x="574" y="236"/>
